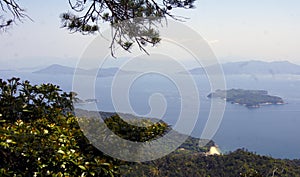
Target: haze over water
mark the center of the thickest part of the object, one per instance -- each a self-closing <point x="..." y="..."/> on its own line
<point x="270" y="130"/>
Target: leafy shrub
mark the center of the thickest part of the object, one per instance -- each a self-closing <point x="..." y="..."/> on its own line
<point x="40" y="137"/>
<point x="27" y="102"/>
<point x="48" y="148"/>
<point x="131" y="131"/>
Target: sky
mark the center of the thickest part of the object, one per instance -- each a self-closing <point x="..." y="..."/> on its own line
<point x="236" y="30"/>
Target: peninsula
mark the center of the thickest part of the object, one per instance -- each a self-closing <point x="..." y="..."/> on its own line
<point x="248" y="98"/>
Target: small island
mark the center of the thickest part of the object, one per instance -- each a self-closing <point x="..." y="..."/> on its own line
<point x="248" y="98"/>
<point x="86" y="101"/>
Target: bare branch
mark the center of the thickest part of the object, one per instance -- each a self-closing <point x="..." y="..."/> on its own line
<point x="11" y="8"/>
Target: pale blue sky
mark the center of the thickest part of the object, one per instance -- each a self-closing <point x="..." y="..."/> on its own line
<point x="236" y="30"/>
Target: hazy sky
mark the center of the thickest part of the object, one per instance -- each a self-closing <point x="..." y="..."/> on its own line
<point x="236" y="30"/>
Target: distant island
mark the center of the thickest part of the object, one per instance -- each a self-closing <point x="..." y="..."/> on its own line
<point x="252" y="67"/>
<point x="56" y="69"/>
<point x="248" y="98"/>
<point x="86" y="101"/>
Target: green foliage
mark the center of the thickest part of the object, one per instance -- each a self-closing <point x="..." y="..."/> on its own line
<point x="44" y="147"/>
<point x="127" y="18"/>
<point x="138" y="130"/>
<point x="238" y="163"/>
<point x="89" y="15"/>
<point x="28" y="102"/>
<point x="111" y="135"/>
<point x="40" y="136"/>
<point x="91" y="12"/>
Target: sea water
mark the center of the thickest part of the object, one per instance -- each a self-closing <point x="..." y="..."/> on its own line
<point x="272" y="130"/>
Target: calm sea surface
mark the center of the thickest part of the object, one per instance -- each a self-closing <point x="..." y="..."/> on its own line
<point x="270" y="130"/>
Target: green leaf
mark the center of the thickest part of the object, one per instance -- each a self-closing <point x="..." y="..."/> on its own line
<point x="107" y="164"/>
<point x="61" y="151"/>
<point x="82" y="167"/>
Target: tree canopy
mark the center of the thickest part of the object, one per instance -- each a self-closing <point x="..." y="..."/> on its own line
<point x="40" y="136"/>
<point x="126" y="17"/>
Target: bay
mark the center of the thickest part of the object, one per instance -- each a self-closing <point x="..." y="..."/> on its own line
<point x="270" y="130"/>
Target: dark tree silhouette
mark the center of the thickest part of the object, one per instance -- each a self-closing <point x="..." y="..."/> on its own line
<point x="10" y="12"/>
<point x="126" y="16"/>
<point x="133" y="21"/>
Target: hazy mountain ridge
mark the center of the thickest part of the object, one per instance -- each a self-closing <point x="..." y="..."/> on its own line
<point x="230" y="68"/>
<point x="254" y="67"/>
<point x="57" y="69"/>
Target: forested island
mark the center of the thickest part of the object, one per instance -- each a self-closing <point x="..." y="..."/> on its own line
<point x="248" y="98"/>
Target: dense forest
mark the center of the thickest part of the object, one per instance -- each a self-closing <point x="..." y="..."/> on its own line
<point x="237" y="163"/>
<point x="41" y="136"/>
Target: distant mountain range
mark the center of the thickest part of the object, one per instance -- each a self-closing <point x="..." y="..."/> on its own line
<point x="231" y="68"/>
<point x="56" y="69"/>
<point x="254" y="67"/>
